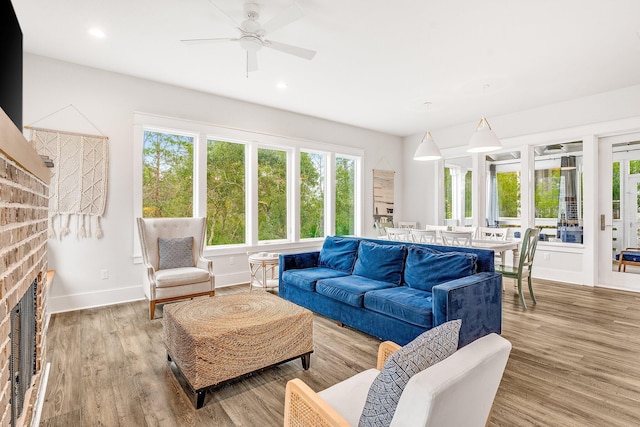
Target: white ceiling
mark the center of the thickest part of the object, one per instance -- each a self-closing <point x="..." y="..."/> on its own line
<point x="377" y="62"/>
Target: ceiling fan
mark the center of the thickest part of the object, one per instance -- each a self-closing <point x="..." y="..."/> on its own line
<point x="253" y="34"/>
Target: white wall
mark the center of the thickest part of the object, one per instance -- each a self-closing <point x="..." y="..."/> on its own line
<point x="108" y="100"/>
<point x="615" y="112"/>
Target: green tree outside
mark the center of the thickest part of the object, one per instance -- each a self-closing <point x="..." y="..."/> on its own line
<point x="167" y="175"/>
<point x="345" y="196"/>
<point x="312" y="178"/>
<point x="272" y="194"/>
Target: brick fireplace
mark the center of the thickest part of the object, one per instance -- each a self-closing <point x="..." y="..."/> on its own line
<point x="24" y="181"/>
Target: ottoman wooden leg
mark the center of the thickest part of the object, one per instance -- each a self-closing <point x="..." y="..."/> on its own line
<point x="306" y="361"/>
<point x="200" y="398"/>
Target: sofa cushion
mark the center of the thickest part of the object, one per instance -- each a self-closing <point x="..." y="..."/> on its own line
<point x="427" y="349"/>
<point x="426" y="268"/>
<point x="380" y="262"/>
<point x="175" y="253"/>
<point x="349" y="289"/>
<point x="339" y="253"/>
<point x="305" y="278"/>
<point x="404" y="303"/>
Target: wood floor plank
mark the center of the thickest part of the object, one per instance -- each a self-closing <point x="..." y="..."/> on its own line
<point x="574" y="363"/>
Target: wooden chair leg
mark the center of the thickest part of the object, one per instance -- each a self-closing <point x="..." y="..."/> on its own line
<point x="152" y="309"/>
<point x="520" y="293"/>
<point x="533" y="297"/>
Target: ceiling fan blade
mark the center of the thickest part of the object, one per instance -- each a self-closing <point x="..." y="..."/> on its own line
<point x="223" y="39"/>
<point x="292" y="50"/>
<point x="235" y="24"/>
<point x="292" y="13"/>
<point x="252" y="61"/>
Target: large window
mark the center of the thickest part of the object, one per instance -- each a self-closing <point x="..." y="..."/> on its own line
<point x="312" y="194"/>
<point x="458" y="194"/>
<point x="558" y="192"/>
<point x="167" y="175"/>
<point x="225" y="193"/>
<point x="503" y="189"/>
<point x="345" y="195"/>
<point x="272" y="194"/>
<point x="252" y="188"/>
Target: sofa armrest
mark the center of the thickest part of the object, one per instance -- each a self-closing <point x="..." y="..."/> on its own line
<point x="303" y="407"/>
<point x="386" y="349"/>
<point x="299" y="260"/>
<point x="476" y="299"/>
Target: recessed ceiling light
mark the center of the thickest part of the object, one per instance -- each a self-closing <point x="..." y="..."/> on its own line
<point x="97" y="33"/>
<point x="281" y="85"/>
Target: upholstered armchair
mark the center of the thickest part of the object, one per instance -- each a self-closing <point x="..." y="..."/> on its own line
<point x="172" y="252"/>
<point x="457" y="391"/>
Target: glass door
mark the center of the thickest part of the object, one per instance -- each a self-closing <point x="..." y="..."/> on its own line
<point x="619" y="194"/>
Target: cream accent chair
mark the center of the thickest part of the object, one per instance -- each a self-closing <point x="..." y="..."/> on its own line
<point x="173" y="284"/>
<point x="458" y="391"/>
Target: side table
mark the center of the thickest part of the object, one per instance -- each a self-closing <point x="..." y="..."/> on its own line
<point x="264" y="268"/>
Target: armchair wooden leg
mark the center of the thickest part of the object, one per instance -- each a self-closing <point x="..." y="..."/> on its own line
<point x="152" y="309"/>
<point x="212" y="293"/>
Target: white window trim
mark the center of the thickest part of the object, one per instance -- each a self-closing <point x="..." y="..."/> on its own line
<point x="201" y="132"/>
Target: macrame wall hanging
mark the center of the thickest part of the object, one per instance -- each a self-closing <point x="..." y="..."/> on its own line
<point x="78" y="187"/>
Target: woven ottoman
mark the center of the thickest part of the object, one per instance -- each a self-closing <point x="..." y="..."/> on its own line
<point x="215" y="340"/>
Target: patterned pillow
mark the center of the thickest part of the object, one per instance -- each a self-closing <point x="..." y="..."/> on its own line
<point x="175" y="253"/>
<point x="427" y="349"/>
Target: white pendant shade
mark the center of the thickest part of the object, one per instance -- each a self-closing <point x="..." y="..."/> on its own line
<point x="484" y="139"/>
<point x="427" y="150"/>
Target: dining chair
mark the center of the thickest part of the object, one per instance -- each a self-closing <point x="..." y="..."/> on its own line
<point x="525" y="264"/>
<point x="400" y="234"/>
<point x="492" y="233"/>
<point x="473" y="230"/>
<point x="424" y="236"/>
<point x="456" y="238"/>
<point x="407" y="224"/>
<point x="381" y="227"/>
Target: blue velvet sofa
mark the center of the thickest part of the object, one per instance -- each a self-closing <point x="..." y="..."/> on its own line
<point x="395" y="290"/>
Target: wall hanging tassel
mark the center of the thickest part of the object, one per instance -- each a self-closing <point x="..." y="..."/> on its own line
<point x="98" y="228"/>
<point x="64" y="229"/>
<point x="82" y="232"/>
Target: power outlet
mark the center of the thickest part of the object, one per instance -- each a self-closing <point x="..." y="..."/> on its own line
<point x="232" y="260"/>
<point x="104" y="274"/>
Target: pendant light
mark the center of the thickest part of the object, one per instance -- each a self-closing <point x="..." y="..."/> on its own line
<point x="484" y="139"/>
<point x="427" y="149"/>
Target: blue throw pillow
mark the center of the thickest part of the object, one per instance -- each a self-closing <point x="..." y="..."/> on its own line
<point x="380" y="262"/>
<point x="426" y="268"/>
<point x="338" y="253"/>
<point x="428" y="349"/>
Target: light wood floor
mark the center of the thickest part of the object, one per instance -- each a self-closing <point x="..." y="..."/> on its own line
<point x="575" y="362"/>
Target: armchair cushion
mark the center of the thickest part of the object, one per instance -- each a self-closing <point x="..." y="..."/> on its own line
<point x="380" y="262"/>
<point x="175" y="253"/>
<point x="428" y="349"/>
<point x="339" y="253"/>
<point x="180" y="276"/>
<point x="426" y="268"/>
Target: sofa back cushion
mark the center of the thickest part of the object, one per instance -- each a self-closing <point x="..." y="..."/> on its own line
<point x="339" y="253"/>
<point x="426" y="268"/>
<point x="380" y="262"/>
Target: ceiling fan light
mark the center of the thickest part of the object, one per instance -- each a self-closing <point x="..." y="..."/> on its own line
<point x="484" y="139"/>
<point x="427" y="149"/>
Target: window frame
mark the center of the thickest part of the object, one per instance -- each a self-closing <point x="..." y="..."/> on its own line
<point x="202" y="132"/>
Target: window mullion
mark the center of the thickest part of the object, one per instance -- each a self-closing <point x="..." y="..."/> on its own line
<point x="200" y="176"/>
